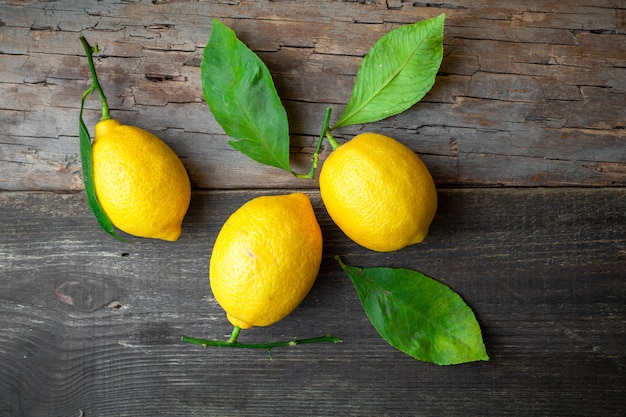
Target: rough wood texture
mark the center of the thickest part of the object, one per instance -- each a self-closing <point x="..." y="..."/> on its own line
<point x="92" y="325"/>
<point x="528" y="94"/>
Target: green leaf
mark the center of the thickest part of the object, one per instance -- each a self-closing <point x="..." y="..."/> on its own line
<point x="396" y="73"/>
<point x="418" y="315"/>
<point x="87" y="167"/>
<point x="241" y="94"/>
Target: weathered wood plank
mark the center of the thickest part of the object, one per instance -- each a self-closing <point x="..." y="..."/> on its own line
<point x="91" y="325"/>
<point x="528" y="94"/>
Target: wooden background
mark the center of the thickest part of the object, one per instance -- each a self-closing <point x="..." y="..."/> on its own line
<point x="523" y="132"/>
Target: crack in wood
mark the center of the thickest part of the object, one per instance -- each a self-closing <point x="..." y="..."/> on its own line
<point x="164" y="77"/>
<point x="448" y="6"/>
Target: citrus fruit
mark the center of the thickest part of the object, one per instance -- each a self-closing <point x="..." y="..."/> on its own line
<point x="140" y="182"/>
<point x="265" y="259"/>
<point x="379" y="193"/>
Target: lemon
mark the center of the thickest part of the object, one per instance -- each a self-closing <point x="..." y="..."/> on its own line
<point x="379" y="193"/>
<point x="265" y="259"/>
<point x="140" y="182"/>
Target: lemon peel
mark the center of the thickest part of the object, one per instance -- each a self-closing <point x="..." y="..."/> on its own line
<point x="265" y="259"/>
<point x="140" y="182"/>
<point x="379" y="192"/>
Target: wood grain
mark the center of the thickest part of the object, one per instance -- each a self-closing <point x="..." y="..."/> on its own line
<point x="527" y="94"/>
<point x="92" y="325"/>
<point x="524" y="135"/>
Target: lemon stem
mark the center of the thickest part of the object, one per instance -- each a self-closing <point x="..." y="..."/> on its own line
<point x="268" y="346"/>
<point x="95" y="85"/>
<point x="316" y="154"/>
<point x="331" y="139"/>
<point x="234" y="334"/>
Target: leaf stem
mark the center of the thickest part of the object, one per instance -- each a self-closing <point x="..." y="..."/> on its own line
<point x="341" y="264"/>
<point x="89" y="51"/>
<point x="316" y="154"/>
<point x="268" y="346"/>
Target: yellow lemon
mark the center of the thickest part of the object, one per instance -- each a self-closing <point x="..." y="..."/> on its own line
<point x="140" y="182"/>
<point x="265" y="259"/>
<point x="379" y="193"/>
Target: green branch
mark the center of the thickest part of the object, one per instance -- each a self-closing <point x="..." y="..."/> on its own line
<point x="89" y="51"/>
<point x="85" y="145"/>
<point x="232" y="343"/>
<point x="316" y="154"/>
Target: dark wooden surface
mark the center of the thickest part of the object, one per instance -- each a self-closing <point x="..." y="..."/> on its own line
<point x="523" y="132"/>
<point x="93" y="325"/>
